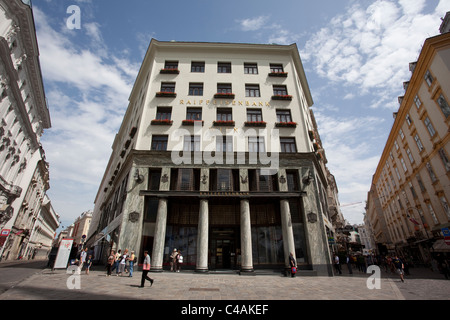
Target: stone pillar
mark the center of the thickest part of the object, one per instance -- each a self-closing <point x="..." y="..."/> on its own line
<point x="160" y="237"/>
<point x="203" y="237"/>
<point x="288" y="234"/>
<point x="246" y="238"/>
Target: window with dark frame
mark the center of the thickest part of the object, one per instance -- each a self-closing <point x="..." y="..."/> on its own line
<point x="288" y="145"/>
<point x="168" y="87"/>
<point x="195" y="89"/>
<point x="284" y="116"/>
<point x="194" y="114"/>
<point x="197" y="66"/>
<point x="250" y="68"/>
<point x="224" y="143"/>
<point x="159" y="143"/>
<point x="256" y="144"/>
<point x="276" y="68"/>
<point x="252" y="90"/>
<point x="164" y="113"/>
<point x="224" y="67"/>
<point x="279" y="90"/>
<point x="292" y="180"/>
<point x="224" y="88"/>
<point x="171" y="65"/>
<point x="224" y="114"/>
<point x="254" y="115"/>
<point x="191" y="143"/>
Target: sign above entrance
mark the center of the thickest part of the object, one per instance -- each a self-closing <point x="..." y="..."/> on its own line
<point x="225" y="103"/>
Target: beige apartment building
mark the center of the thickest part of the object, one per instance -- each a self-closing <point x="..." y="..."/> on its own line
<point x="408" y="204"/>
<point x="217" y="156"/>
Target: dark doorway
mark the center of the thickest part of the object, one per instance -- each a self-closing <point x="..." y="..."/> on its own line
<point x="224" y="248"/>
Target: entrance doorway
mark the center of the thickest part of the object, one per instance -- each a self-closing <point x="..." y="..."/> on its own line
<point x="224" y="248"/>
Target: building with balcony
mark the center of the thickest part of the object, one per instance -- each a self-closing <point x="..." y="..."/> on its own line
<point x="408" y="204"/>
<point x="216" y="156"/>
<point x="24" y="115"/>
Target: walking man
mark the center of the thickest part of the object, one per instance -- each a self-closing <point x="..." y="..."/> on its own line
<point x="145" y="270"/>
<point x="399" y="267"/>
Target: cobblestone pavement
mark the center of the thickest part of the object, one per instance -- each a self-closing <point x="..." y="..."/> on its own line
<point x="55" y="285"/>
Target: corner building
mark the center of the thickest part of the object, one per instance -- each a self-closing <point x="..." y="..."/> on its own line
<point x="216" y="157"/>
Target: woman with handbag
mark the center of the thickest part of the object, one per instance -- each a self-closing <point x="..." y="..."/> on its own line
<point x="145" y="270"/>
<point x="292" y="264"/>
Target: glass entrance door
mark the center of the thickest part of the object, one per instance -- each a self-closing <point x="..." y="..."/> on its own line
<point x="223" y="254"/>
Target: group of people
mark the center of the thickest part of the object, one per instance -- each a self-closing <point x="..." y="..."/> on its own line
<point x="358" y="261"/>
<point x="176" y="260"/>
<point x="121" y="262"/>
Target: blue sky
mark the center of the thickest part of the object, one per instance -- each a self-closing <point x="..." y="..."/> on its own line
<point x="356" y="55"/>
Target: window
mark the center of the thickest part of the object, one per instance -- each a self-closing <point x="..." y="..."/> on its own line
<point x="256" y="144"/>
<point x="154" y="179"/>
<point x="284" y="116"/>
<point x="403" y="164"/>
<point x="163" y="113"/>
<point x="417" y="102"/>
<point x="429" y="126"/>
<point x="396" y="145"/>
<point x="250" y="68"/>
<point x="194" y="114"/>
<point x="402" y="135"/>
<point x="159" y="143"/>
<point x="445" y="206"/>
<point x="433" y="214"/>
<point x="420" y="182"/>
<point x="413" y="191"/>
<point x="224" y="114"/>
<point x="431" y="172"/>
<point x="444" y="159"/>
<point x="444" y="106"/>
<point x="254" y="115"/>
<point x="276" y="68"/>
<point x="191" y="143"/>
<point x="224" y="88"/>
<point x="197" y="66"/>
<point x="224" y="143"/>
<point x="195" y="89"/>
<point x="288" y="145"/>
<point x="410" y="156"/>
<point x="280" y="91"/>
<point x="224" y="67"/>
<point x="292" y="180"/>
<point x="171" y="65"/>
<point x="259" y="182"/>
<point x="419" y="143"/>
<point x="224" y="180"/>
<point x="408" y="120"/>
<point x="429" y="78"/>
<point x="252" y="90"/>
<point x="168" y="87"/>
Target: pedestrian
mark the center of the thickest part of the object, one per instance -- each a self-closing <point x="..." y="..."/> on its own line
<point x="88" y="264"/>
<point x="337" y="266"/>
<point x="145" y="269"/>
<point x="292" y="265"/>
<point x="122" y="262"/>
<point x="131" y="263"/>
<point x="117" y="261"/>
<point x="173" y="260"/>
<point x="179" y="261"/>
<point x="83" y="256"/>
<point x="399" y="266"/>
<point x="349" y="264"/>
<point x="110" y="263"/>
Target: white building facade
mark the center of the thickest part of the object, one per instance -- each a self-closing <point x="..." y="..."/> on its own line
<point x="216" y="157"/>
<point x="24" y="115"/>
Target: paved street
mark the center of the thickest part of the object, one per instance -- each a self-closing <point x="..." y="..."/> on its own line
<point x="45" y="284"/>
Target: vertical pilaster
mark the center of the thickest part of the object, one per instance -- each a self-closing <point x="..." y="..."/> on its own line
<point x="202" y="237"/>
<point x="288" y="234"/>
<point x="246" y="238"/>
<point x="160" y="236"/>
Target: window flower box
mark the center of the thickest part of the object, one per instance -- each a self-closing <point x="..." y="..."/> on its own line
<point x="286" y="124"/>
<point x="163" y="94"/>
<point x="278" y="74"/>
<point x="282" y="97"/>
<point x="224" y="96"/>
<point x="255" y="124"/>
<point x="162" y="122"/>
<point x="169" y="71"/>
<point x="230" y="123"/>
<point x="192" y="122"/>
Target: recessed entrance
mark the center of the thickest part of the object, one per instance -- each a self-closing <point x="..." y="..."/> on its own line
<point x="224" y="245"/>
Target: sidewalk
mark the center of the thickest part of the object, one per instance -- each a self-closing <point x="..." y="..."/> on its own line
<point x="52" y="285"/>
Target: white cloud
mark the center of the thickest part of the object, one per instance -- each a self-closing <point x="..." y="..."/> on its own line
<point x="253" y="24"/>
<point x="88" y="94"/>
<point x="370" y="48"/>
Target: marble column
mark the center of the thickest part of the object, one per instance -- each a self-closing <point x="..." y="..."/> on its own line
<point x="202" y="237"/>
<point x="288" y="233"/>
<point x="160" y="237"/>
<point x="246" y="238"/>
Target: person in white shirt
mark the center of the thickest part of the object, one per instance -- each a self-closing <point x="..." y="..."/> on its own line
<point x="122" y="263"/>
